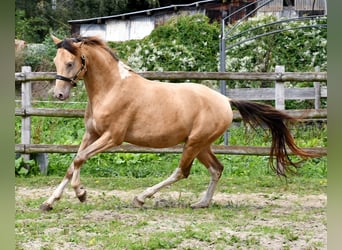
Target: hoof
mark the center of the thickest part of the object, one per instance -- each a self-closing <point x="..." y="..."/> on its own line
<point x="137" y="203"/>
<point x="83" y="197"/>
<point x="45" y="207"/>
<point x="199" y="205"/>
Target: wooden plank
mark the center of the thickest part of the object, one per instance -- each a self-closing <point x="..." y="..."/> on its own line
<point x="299" y="93"/>
<point x="307" y="4"/>
<point x="324" y="91"/>
<point x="185" y="75"/>
<point x="256" y="94"/>
<point x="260" y="94"/>
<point x="129" y="148"/>
<point x="50" y="112"/>
<point x="309" y="114"/>
<point x="35" y="76"/>
<point x="317" y="87"/>
<point x="276" y="5"/>
<point x="279" y="90"/>
<point x="79" y="113"/>
<point x="262" y="76"/>
<point x="26" y="94"/>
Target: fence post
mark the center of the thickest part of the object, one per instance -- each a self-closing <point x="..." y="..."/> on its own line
<point x="317" y="87"/>
<point x="26" y="98"/>
<point x="279" y="90"/>
<point x="26" y="92"/>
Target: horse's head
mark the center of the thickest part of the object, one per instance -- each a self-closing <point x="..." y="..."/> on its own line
<point x="70" y="66"/>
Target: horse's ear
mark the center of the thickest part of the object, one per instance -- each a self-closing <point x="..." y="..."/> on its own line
<point x="55" y="39"/>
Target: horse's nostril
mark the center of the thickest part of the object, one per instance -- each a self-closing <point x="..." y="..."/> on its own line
<point x="60" y="96"/>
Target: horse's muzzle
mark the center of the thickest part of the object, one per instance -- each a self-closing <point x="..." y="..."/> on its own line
<point x="61" y="95"/>
<point x="62" y="90"/>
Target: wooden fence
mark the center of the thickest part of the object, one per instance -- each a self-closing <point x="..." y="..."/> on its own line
<point x="279" y="94"/>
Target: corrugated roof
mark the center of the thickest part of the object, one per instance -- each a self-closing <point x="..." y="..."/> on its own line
<point x="140" y="12"/>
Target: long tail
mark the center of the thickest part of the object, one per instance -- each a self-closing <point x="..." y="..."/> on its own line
<point x="261" y="114"/>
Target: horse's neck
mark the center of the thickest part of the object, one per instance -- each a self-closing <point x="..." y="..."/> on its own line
<point x="102" y="75"/>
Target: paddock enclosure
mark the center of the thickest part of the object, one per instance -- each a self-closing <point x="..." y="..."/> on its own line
<point x="279" y="93"/>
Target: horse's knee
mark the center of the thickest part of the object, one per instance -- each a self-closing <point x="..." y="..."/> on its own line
<point x="186" y="170"/>
<point x="215" y="172"/>
<point x="180" y="173"/>
<point x="79" y="160"/>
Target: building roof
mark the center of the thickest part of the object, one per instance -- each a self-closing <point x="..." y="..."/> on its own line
<point x="140" y="12"/>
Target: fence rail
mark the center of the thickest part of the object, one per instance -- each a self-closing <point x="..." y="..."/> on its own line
<point x="129" y="148"/>
<point x="79" y="113"/>
<point x="181" y="75"/>
<point x="279" y="94"/>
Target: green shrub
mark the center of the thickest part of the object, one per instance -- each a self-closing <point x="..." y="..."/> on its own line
<point x="299" y="50"/>
<point x="184" y="43"/>
<point x="25" y="168"/>
<point x="39" y="55"/>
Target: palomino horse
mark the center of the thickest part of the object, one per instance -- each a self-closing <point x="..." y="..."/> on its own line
<point x="125" y="107"/>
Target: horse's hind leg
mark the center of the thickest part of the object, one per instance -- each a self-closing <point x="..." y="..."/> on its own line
<point x="139" y="200"/>
<point x="183" y="171"/>
<point x="215" y="169"/>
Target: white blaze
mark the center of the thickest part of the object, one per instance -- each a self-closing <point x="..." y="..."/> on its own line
<point x="124" y="70"/>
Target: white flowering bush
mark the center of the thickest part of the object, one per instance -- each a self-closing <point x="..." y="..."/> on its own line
<point x="149" y="57"/>
<point x="184" y="43"/>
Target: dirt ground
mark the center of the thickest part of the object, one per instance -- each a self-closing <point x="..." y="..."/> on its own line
<point x="280" y="204"/>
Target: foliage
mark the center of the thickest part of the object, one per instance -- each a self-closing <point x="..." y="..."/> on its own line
<point x="36" y="18"/>
<point x="25" y="168"/>
<point x="184" y="43"/>
<point x="299" y="49"/>
<point x="39" y="55"/>
<point x="31" y="28"/>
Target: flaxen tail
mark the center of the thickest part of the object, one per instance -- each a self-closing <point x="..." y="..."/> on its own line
<point x="259" y="114"/>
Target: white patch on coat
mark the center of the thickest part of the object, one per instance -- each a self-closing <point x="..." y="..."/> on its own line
<point x="124" y="70"/>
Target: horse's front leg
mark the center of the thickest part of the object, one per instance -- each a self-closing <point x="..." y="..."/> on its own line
<point x="57" y="194"/>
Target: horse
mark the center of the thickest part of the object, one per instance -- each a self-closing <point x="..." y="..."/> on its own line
<point x="125" y="107"/>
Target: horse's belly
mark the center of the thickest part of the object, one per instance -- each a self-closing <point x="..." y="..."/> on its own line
<point x="155" y="138"/>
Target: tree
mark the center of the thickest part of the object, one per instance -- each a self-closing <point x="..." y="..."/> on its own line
<point x="37" y="18"/>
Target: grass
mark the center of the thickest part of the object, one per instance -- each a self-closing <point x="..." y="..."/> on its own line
<point x="248" y="213"/>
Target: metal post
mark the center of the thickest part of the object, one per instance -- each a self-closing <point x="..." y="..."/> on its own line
<point x="222" y="58"/>
<point x="325" y="7"/>
<point x="223" y="65"/>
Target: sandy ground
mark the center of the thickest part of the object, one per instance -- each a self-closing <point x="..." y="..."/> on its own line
<point x="280" y="203"/>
